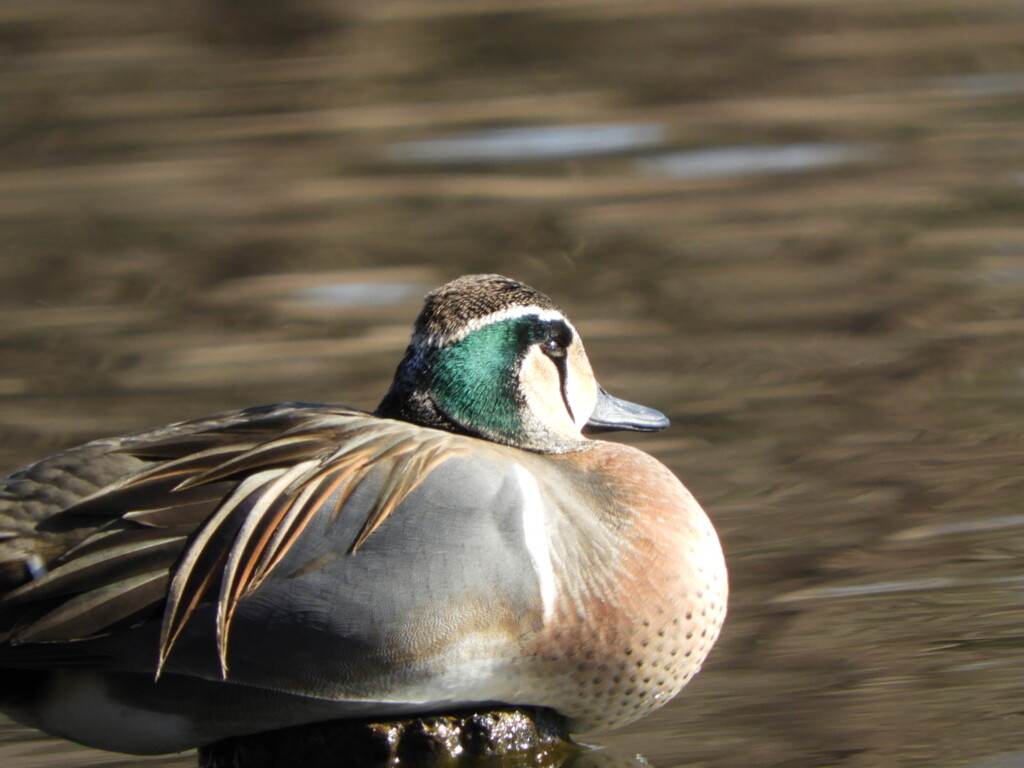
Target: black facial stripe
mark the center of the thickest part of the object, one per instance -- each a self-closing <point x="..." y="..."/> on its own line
<point x="553" y="338"/>
<point x="559" y="332"/>
<point x="562" y="363"/>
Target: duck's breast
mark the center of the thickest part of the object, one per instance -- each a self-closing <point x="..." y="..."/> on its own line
<point x="642" y="588"/>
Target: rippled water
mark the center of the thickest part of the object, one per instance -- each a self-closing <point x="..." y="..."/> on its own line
<point x="796" y="228"/>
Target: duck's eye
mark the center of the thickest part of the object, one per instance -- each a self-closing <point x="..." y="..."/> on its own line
<point x="553" y="348"/>
<point x="553" y="337"/>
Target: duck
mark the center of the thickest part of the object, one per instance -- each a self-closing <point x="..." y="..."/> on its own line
<point x="469" y="542"/>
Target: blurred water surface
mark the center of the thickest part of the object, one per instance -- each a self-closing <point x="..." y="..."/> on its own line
<point x="211" y="203"/>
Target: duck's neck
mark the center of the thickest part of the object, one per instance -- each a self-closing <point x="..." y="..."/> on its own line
<point x="409" y="400"/>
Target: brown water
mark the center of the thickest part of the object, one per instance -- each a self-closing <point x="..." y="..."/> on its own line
<point x="798" y="228"/>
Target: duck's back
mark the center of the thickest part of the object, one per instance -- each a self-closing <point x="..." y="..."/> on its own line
<point x="34" y="532"/>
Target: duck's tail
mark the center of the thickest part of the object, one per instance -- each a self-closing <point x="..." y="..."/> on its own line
<point x="23" y="550"/>
<point x="32" y="535"/>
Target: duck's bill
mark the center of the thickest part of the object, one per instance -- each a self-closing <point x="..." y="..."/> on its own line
<point x="612" y="413"/>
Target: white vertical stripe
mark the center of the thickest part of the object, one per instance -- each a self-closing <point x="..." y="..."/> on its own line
<point x="537" y="538"/>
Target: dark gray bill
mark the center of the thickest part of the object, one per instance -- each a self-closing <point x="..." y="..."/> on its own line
<point x="612" y="413"/>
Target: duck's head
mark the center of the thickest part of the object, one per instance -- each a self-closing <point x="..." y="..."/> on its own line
<point x="493" y="358"/>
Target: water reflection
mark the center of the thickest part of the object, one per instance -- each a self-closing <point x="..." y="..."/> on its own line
<point x="587" y="758"/>
<point x="357" y="294"/>
<point x="897" y="587"/>
<point x="1008" y="760"/>
<point x="518" y="145"/>
<point x="984" y="85"/>
<point x="591" y="758"/>
<point x="955" y="527"/>
<point x="745" y="160"/>
<point x="604" y="758"/>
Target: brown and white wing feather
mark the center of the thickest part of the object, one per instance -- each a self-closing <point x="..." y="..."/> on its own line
<point x="108" y="519"/>
<point x="210" y="514"/>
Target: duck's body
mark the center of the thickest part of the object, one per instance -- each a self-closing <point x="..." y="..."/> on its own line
<point x="298" y="563"/>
